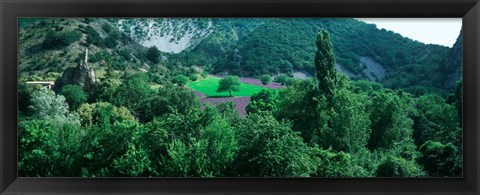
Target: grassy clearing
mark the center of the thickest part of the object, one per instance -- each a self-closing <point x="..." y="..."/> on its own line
<point x="209" y="85"/>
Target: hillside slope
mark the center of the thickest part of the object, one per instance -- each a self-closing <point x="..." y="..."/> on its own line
<point x="49" y="46"/>
<point x="453" y="64"/>
<point x="362" y="51"/>
<point x="252" y="47"/>
<point x="241" y="46"/>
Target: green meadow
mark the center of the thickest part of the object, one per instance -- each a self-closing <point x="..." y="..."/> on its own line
<point x="209" y="85"/>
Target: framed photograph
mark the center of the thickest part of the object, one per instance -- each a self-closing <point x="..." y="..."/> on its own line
<point x="239" y="97"/>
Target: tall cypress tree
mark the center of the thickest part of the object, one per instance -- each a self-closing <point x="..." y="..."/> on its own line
<point x="325" y="65"/>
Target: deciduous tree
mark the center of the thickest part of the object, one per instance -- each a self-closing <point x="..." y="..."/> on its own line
<point x="435" y="120"/>
<point x="398" y="167"/>
<point x="266" y="79"/>
<point x="74" y="95"/>
<point x="265" y="100"/>
<point x="268" y="148"/>
<point x="180" y="80"/>
<point x="229" y="83"/>
<point x="325" y="65"/>
<point x="390" y="122"/>
<point x="441" y="160"/>
<point x="153" y="54"/>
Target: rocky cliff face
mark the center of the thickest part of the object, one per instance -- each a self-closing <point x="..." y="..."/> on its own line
<point x="171" y="35"/>
<point x="81" y="75"/>
<point x="453" y="64"/>
<point x="373" y="70"/>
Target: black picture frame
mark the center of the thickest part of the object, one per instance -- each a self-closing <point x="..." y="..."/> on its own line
<point x="10" y="10"/>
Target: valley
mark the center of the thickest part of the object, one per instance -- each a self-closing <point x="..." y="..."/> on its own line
<point x="235" y="97"/>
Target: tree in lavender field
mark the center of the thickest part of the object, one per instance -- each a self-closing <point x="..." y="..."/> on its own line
<point x="266" y="79"/>
<point x="229" y="83"/>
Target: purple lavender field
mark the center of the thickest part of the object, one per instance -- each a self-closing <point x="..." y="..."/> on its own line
<point x="240" y="102"/>
<point x="271" y="85"/>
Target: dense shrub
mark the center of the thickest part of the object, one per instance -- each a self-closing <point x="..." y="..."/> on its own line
<point x="153" y="54"/>
<point x="266" y="79"/>
<point x="93" y="38"/>
<point x="110" y="42"/>
<point x="55" y="40"/>
<point x="180" y="80"/>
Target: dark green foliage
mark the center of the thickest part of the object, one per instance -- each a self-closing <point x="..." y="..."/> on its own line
<point x="209" y="153"/>
<point x="436" y="121"/>
<point x="268" y="148"/>
<point x="441" y="160"/>
<point x="126" y="54"/>
<point x="107" y="151"/>
<point x="119" y="64"/>
<point x="229" y="83"/>
<point x="266" y="79"/>
<point x="24" y="94"/>
<point x="272" y="48"/>
<point x="74" y="95"/>
<point x="46" y="151"/>
<point x="104" y="90"/>
<point x="135" y="162"/>
<point x="289" y="81"/>
<point x="57" y="40"/>
<point x="418" y="91"/>
<point x="364" y="163"/>
<point x="350" y="130"/>
<point x="398" y="167"/>
<point x="265" y="100"/>
<point x="169" y="99"/>
<point x="366" y="86"/>
<point x="325" y="65"/>
<point x="343" y="126"/>
<point x="345" y="120"/>
<point x="327" y="114"/>
<point x="390" y="122"/>
<point x="153" y="54"/>
<point x="333" y="164"/>
<point x="459" y="100"/>
<point x="107" y="28"/>
<point x="194" y="143"/>
<point x="132" y="92"/>
<point x="193" y="77"/>
<point x="281" y="79"/>
<point x="110" y="42"/>
<point x="180" y="80"/>
<point x="300" y="104"/>
<point x="155" y="140"/>
<point x="93" y="38"/>
<point x="98" y="56"/>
